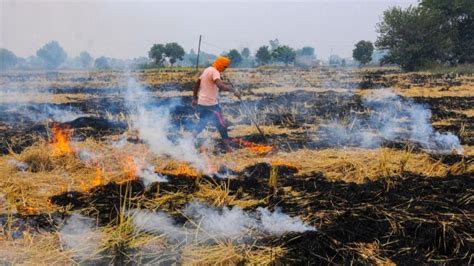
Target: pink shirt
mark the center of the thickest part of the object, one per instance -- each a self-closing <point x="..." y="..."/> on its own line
<point x="208" y="92"/>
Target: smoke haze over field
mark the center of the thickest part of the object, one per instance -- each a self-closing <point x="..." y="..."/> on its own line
<point x="127" y="29"/>
<point x="392" y="118"/>
<point x="153" y="125"/>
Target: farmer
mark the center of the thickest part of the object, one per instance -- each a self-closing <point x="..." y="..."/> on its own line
<point x="205" y="98"/>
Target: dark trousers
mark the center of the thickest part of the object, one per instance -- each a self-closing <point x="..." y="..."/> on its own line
<point x="212" y="114"/>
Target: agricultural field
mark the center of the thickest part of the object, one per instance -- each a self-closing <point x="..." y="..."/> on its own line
<point x="366" y="166"/>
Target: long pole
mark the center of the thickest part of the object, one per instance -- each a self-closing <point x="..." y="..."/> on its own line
<point x="199" y="51"/>
<point x="249" y="115"/>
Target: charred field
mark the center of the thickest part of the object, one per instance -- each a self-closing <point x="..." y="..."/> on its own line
<point x="364" y="166"/>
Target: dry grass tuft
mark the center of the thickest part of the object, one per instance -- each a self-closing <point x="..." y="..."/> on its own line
<point x="219" y="195"/>
<point x="228" y="253"/>
<point x="273" y="180"/>
<point x="42" y="158"/>
<point x="371" y="252"/>
<point x="224" y="253"/>
<point x="35" y="249"/>
<point x="264" y="255"/>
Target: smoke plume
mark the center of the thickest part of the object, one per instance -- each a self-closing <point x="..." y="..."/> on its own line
<point x="148" y="176"/>
<point x="212" y="224"/>
<point x="154" y="127"/>
<point x="278" y="223"/>
<point x="21" y="106"/>
<point x="392" y="118"/>
<point x="79" y="236"/>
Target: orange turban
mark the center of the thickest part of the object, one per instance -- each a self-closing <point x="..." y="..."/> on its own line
<point x="221" y="63"/>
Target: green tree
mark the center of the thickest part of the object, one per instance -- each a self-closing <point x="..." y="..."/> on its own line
<point x="102" y="63"/>
<point x="85" y="59"/>
<point x="157" y="54"/>
<point x="363" y="52"/>
<point x="7" y="59"/>
<point x="284" y="54"/>
<point x="274" y="44"/>
<point x="235" y="57"/>
<point x="246" y="52"/>
<point x="263" y="55"/>
<point x="457" y="18"/>
<point x="413" y="38"/>
<point x="173" y="51"/>
<point x="52" y="55"/>
<point x="305" y="51"/>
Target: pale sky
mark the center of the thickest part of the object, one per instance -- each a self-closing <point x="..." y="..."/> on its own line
<point x="127" y="29"/>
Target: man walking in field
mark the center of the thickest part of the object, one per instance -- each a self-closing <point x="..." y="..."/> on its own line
<point x="205" y="98"/>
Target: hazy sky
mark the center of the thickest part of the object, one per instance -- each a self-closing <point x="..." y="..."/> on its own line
<point x="127" y="29"/>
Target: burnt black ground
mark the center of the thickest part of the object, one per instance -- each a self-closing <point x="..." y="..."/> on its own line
<point x="414" y="219"/>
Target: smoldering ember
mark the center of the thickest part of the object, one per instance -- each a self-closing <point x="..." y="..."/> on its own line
<point x="269" y="156"/>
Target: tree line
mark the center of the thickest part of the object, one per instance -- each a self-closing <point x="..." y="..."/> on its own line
<point x="266" y="54"/>
<point x="52" y="56"/>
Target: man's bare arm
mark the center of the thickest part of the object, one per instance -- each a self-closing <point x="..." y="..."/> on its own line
<point x="224" y="87"/>
<point x="197" y="85"/>
<point x="227" y="87"/>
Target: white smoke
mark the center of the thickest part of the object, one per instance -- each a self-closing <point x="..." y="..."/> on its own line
<point x="154" y="127"/>
<point x="20" y="166"/>
<point x="87" y="157"/>
<point x="79" y="236"/>
<point x="393" y="118"/>
<point x="148" y="176"/>
<point x="21" y="108"/>
<point x="157" y="223"/>
<point x="278" y="223"/>
<point x="120" y="143"/>
<point x="49" y="112"/>
<point x="231" y="223"/>
<point x="212" y="224"/>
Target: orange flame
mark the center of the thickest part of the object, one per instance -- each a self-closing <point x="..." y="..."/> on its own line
<point x="130" y="168"/>
<point x="98" y="178"/>
<point x="30" y="210"/>
<point x="280" y="162"/>
<point x="97" y="181"/>
<point x="179" y="169"/>
<point x="60" y="140"/>
<point x="254" y="147"/>
<point x="84" y="186"/>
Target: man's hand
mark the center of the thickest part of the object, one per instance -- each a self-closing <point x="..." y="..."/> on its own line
<point x="194" y="103"/>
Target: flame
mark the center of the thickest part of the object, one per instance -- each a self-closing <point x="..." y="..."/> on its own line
<point x="130" y="168"/>
<point x="98" y="178"/>
<point x="280" y="162"/>
<point x="254" y="147"/>
<point x="97" y="181"/>
<point x="60" y="140"/>
<point x="179" y="169"/>
<point x="31" y="210"/>
<point x="84" y="186"/>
